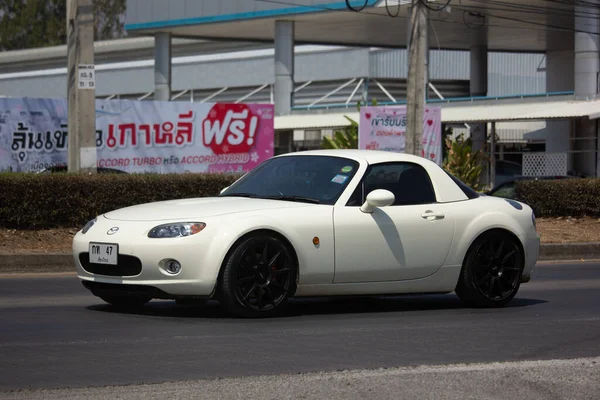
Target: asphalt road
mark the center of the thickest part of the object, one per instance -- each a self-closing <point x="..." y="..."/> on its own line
<point x="54" y="334"/>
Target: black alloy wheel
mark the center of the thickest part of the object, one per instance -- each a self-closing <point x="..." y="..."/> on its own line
<point x="491" y="274"/>
<point x="259" y="277"/>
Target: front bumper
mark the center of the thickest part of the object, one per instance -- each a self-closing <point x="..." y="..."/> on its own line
<point x="139" y="270"/>
<point x="531" y="246"/>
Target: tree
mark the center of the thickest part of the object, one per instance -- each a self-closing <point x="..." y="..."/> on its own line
<point x="347" y="138"/>
<point x="32" y="23"/>
<point x="462" y="162"/>
<point x="109" y="19"/>
<point x="447" y="131"/>
<point x="26" y="24"/>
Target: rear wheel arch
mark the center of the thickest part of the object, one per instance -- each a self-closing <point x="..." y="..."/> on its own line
<point x="501" y="231"/>
<point x="497" y="269"/>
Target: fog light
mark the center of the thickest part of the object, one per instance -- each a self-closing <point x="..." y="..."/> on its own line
<point x="173" y="267"/>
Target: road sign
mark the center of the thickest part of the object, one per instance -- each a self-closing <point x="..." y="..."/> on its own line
<point x="87" y="77"/>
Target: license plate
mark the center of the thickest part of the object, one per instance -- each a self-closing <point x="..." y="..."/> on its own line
<point x="104" y="253"/>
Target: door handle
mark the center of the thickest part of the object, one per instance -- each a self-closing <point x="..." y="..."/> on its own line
<point x="431" y="216"/>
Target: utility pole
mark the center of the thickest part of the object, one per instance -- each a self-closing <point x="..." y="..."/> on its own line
<point x="417" y="64"/>
<point x="81" y="86"/>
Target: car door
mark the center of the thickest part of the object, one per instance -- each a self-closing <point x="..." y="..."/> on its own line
<point x="407" y="240"/>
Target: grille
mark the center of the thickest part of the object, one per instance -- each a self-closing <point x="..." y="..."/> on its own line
<point x="126" y="266"/>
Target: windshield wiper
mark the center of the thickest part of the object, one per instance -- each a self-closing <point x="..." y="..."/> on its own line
<point x="276" y="197"/>
<point x="239" y="195"/>
<point x="293" y="198"/>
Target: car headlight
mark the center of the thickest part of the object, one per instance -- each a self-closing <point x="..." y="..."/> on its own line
<point x="177" y="229"/>
<point x="87" y="226"/>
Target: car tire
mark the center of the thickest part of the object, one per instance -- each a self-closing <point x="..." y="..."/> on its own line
<point x="491" y="272"/>
<point x="259" y="276"/>
<point x="125" y="301"/>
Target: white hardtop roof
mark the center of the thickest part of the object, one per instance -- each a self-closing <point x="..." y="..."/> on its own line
<point x="446" y="189"/>
<point x="370" y="156"/>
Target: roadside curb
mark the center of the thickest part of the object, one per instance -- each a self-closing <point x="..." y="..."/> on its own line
<point x="63" y="262"/>
<point x="16" y="263"/>
<point x="569" y="251"/>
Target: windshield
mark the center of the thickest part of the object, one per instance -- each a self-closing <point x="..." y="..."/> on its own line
<point x="312" y="179"/>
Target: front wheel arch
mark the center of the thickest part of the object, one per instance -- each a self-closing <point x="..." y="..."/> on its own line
<point x="246" y="235"/>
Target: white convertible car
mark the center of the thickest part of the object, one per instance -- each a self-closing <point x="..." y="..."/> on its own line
<point x="314" y="223"/>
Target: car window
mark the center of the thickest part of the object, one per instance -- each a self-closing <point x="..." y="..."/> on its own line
<point x="409" y="182"/>
<point x="318" y="178"/>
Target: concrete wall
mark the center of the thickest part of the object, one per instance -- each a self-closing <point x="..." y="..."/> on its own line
<point x="509" y="73"/>
<point x="253" y="68"/>
<point x="514" y="73"/>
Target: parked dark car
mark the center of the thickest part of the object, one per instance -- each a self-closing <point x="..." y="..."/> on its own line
<point x="506" y="171"/>
<point x="507" y="189"/>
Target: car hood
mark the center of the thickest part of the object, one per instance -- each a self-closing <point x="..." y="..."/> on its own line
<point x="197" y="208"/>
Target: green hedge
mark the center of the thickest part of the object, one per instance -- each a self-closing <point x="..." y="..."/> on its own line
<point x="33" y="201"/>
<point x="561" y="197"/>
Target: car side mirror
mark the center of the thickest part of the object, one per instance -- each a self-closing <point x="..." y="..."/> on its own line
<point x="224" y="189"/>
<point x="378" y="198"/>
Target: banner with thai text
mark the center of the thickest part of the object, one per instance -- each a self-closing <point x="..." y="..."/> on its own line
<point x="140" y="136"/>
<point x="384" y="128"/>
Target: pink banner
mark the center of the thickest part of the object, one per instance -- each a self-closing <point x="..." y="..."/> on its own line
<point x="242" y="129"/>
<point x="141" y="136"/>
<point x="384" y="128"/>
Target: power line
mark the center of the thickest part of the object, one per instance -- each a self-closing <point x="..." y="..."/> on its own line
<point x="479" y="10"/>
<point x="351" y="8"/>
<point x="440" y="8"/>
<point x="514" y="8"/>
<point x="564" y="13"/>
<point x="523" y="21"/>
<point x="465" y="13"/>
<point x="574" y="2"/>
<point x="387" y="8"/>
